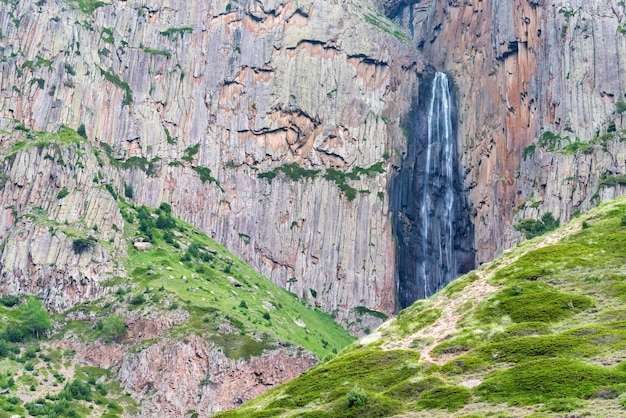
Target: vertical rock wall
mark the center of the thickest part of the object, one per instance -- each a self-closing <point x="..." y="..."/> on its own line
<point x="208" y="95"/>
<point x="523" y="68"/>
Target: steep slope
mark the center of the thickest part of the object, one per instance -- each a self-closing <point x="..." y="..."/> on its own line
<point x="193" y="316"/>
<point x="538" y="332"/>
<point x="207" y="106"/>
<point x="540" y="85"/>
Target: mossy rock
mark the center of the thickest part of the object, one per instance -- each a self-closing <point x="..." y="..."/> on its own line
<point x="545" y="379"/>
<point x="451" y="398"/>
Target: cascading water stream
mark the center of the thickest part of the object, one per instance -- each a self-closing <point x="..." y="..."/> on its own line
<point x="431" y="220"/>
<point x="439" y="141"/>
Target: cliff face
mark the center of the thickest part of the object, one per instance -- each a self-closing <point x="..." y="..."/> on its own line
<point x="524" y="68"/>
<point x="203" y="97"/>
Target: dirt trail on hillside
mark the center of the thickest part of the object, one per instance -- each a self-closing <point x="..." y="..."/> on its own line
<point x="475" y="292"/>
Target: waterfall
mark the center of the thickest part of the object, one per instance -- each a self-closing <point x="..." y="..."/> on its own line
<point x="438" y="191"/>
<point x="431" y="217"/>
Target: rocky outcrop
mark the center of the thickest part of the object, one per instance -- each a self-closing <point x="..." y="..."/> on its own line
<point x="524" y="68"/>
<point x="208" y="95"/>
<point x="50" y="201"/>
<point x="173" y="377"/>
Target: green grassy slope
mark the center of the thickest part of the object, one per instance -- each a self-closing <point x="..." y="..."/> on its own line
<point x="183" y="272"/>
<point x="185" y="268"/>
<point x="541" y="331"/>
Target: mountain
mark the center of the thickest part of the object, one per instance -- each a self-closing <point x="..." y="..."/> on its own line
<point x="538" y="332"/>
<point x="187" y="313"/>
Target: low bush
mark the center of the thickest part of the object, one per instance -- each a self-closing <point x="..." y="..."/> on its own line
<point x="543" y="380"/>
<point x="451" y="398"/>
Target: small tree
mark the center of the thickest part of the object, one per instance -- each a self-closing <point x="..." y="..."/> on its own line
<point x="357" y="396"/>
<point x="35" y="318"/>
<point x="113" y="328"/>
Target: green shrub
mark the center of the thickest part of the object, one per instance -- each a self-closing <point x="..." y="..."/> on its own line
<point x="137" y="300"/>
<point x="128" y="190"/>
<point x="34" y="317"/>
<point x="9" y="300"/>
<point x="532" y="302"/>
<point x="64" y="192"/>
<point x="451" y="398"/>
<point x="356" y="396"/>
<point x="410" y="391"/>
<point x="532" y="227"/>
<point x="80" y="245"/>
<point x="543" y="380"/>
<point x="113" y="328"/>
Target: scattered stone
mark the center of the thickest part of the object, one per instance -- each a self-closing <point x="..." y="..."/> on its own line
<point x="142" y="246"/>
<point x="233" y="282"/>
<point x="269" y="306"/>
<point x="299" y="323"/>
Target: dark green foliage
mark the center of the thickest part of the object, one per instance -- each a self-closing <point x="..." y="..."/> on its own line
<point x="128" y="190"/>
<point x="80" y="245"/>
<point x="13" y="333"/>
<point x="113" y="328"/>
<point x="165" y="221"/>
<point x="190" y="152"/>
<point x="620" y="106"/>
<point x="609" y="181"/>
<point x="205" y="175"/>
<point x="166" y="207"/>
<point x="111" y="191"/>
<point x="529" y="151"/>
<point x="81" y="131"/>
<point x="532" y="302"/>
<point x="362" y="310"/>
<point x="550" y="141"/>
<point x="115" y="79"/>
<point x="292" y="170"/>
<point x="542" y="380"/>
<point x="149" y="167"/>
<point x="35" y="318"/>
<point x="9" y="300"/>
<point x="451" y="398"/>
<point x="76" y="390"/>
<point x="62" y="193"/>
<point x="533" y="227"/>
<point x="137" y="300"/>
<point x="171" y="32"/>
<point x="356" y="396"/>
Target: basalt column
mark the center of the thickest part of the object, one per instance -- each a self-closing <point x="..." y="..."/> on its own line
<point x="431" y="216"/>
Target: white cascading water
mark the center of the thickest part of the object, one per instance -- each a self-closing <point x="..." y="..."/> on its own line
<point x="437" y="208"/>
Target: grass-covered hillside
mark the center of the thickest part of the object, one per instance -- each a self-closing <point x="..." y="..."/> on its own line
<point x="145" y="281"/>
<point x="539" y="332"/>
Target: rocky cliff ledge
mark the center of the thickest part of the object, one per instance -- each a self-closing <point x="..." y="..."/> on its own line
<point x="207" y="103"/>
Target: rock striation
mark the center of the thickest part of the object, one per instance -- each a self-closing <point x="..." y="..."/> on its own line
<point x="205" y="97"/>
<point x="525" y="68"/>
